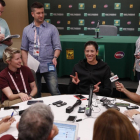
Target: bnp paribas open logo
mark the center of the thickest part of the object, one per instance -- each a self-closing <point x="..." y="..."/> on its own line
<point x="103" y="14"/>
<point x="85" y="14"/>
<point x="120" y="29"/>
<point x="85" y="28"/>
<point x="121" y="14"/>
<point x="48" y="20"/>
<point x="81" y="22"/>
<point x="68" y="14"/>
<point x="68" y="28"/>
<point x="139" y="14"/>
<point x="117" y="5"/>
<point x="46" y="5"/>
<point x="138" y="29"/>
<point x="51" y="14"/>
<point x="116" y="22"/>
<point x="81" y="6"/>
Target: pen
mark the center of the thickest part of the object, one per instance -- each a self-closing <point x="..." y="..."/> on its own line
<point x="12" y="115"/>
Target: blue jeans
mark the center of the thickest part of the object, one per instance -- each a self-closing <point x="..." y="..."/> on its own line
<point x="51" y="81"/>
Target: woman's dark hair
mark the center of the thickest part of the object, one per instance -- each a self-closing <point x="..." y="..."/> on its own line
<point x="2" y="3"/>
<point x="91" y="43"/>
<point x="36" y="5"/>
<point x="113" y="125"/>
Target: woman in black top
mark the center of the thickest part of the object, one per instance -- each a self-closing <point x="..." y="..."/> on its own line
<point x="91" y="70"/>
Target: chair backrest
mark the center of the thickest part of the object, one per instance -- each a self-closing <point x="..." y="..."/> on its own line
<point x="108" y="30"/>
<point x="34" y="74"/>
<point x="101" y="53"/>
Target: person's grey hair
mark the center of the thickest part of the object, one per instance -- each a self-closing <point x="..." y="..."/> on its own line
<point x="36" y="123"/>
<point x="8" y="53"/>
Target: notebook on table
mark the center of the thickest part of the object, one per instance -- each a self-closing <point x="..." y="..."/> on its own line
<point x="67" y="130"/>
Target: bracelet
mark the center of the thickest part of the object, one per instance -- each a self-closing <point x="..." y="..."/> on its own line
<point x="55" y="57"/>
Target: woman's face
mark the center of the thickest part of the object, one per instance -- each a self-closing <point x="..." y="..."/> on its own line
<point x="90" y="53"/>
<point x="15" y="61"/>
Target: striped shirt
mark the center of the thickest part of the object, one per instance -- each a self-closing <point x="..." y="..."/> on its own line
<point x="137" y="61"/>
<point x="49" y="42"/>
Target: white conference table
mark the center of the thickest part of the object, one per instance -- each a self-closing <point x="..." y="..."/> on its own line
<point x="85" y="131"/>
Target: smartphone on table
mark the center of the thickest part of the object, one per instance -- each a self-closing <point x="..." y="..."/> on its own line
<point x="80" y="97"/>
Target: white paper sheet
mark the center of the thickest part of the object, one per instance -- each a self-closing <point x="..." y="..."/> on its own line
<point x="32" y="63"/>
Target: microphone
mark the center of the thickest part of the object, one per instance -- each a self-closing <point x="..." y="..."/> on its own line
<point x="98" y="24"/>
<point x="97" y="30"/>
<point x="88" y="109"/>
<point x="71" y="108"/>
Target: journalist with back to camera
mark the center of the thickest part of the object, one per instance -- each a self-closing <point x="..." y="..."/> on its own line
<point x="91" y="70"/>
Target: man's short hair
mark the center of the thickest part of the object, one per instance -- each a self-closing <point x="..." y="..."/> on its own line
<point x="2" y="3"/>
<point x="36" y="5"/>
<point x="8" y="53"/>
<point x="36" y="123"/>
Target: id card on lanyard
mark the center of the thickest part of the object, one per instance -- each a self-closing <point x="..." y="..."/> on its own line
<point x="36" y="44"/>
<point x="51" y="67"/>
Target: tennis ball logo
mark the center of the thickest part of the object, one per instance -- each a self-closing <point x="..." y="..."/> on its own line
<point x="117" y="5"/>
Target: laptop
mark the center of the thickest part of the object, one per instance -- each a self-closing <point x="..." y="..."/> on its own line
<point x="67" y="130"/>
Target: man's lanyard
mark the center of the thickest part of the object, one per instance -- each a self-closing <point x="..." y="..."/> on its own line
<point x="36" y="38"/>
<point x="16" y="84"/>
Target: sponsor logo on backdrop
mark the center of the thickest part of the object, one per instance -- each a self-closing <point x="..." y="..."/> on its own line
<point x="117" y="5"/>
<point x="126" y="29"/>
<point x="60" y="28"/>
<point x="128" y="22"/>
<point x="58" y="22"/>
<point x="88" y="28"/>
<point x="92" y="22"/>
<point x="139" y="14"/>
<point x="119" y="55"/>
<point x="127" y="14"/>
<point x="45" y="14"/>
<point x="46" y="5"/>
<point x="81" y="22"/>
<point x="108" y="14"/>
<point x="70" y="6"/>
<point x="94" y="5"/>
<point x="85" y="14"/>
<point x="81" y="6"/>
<point x="103" y="14"/>
<point x="73" y="28"/>
<point x="68" y="22"/>
<point x="105" y="6"/>
<point x="56" y="14"/>
<point x="90" y="14"/>
<point x="116" y="22"/>
<point x="59" y="6"/>
<point x="139" y="22"/>
<point x="103" y="22"/>
<point x="73" y="14"/>
<point x="81" y="34"/>
<point x="69" y="54"/>
<point x="48" y="20"/>
<point x="138" y="29"/>
<point x="131" y="5"/>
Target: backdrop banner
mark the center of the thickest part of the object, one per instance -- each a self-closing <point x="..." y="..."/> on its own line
<point x="80" y="17"/>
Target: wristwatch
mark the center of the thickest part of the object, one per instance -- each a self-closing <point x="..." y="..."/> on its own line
<point x="55" y="57"/>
